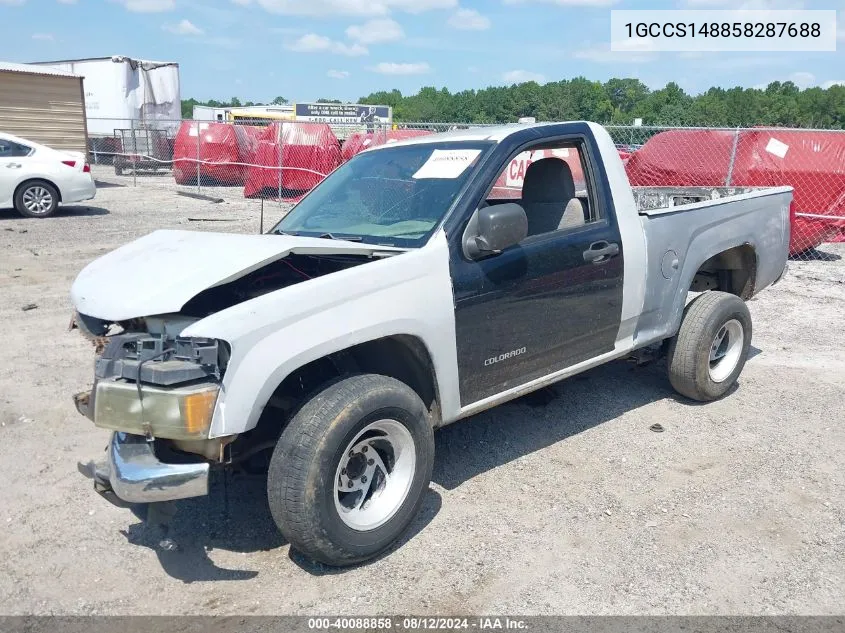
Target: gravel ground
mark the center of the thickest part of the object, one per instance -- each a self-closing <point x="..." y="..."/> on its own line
<point x="571" y="506"/>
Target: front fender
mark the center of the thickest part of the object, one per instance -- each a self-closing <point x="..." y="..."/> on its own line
<point x="273" y="335"/>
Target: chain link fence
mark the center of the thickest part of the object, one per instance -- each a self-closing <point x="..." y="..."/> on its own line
<point x="275" y="162"/>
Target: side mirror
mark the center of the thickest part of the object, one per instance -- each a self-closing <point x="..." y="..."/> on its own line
<point x="494" y="228"/>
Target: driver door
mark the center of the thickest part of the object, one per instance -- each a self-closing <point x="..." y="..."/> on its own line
<point x="546" y="303"/>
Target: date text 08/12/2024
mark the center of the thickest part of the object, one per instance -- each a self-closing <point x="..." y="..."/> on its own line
<point x="414" y="623"/>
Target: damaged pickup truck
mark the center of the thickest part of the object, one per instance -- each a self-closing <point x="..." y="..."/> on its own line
<point x="420" y="283"/>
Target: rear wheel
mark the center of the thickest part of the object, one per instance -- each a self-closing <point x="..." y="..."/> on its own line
<point x="350" y="470"/>
<point x="707" y="355"/>
<point x="36" y="199"/>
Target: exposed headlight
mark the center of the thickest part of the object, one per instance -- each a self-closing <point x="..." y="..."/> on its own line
<point x="173" y="413"/>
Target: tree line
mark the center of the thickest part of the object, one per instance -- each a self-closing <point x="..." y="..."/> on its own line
<point x="620" y="101"/>
<point x="617" y="101"/>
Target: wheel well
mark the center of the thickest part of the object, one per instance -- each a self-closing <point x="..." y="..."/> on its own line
<point x="44" y="180"/>
<point x="733" y="270"/>
<point x="402" y="357"/>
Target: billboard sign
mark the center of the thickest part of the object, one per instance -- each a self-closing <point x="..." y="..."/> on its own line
<point x="342" y="113"/>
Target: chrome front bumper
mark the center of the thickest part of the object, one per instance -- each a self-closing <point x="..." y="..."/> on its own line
<point x="136" y="475"/>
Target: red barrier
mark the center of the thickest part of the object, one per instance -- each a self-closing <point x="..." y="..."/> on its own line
<point x="359" y="141"/>
<point x="220" y="148"/>
<point x="304" y="153"/>
<point x="811" y="162"/>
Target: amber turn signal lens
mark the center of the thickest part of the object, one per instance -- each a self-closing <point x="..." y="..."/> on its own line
<point x="197" y="410"/>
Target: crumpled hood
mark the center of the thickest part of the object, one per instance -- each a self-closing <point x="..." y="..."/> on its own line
<point x="160" y="272"/>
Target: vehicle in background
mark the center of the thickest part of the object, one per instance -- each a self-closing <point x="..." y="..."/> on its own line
<point x="35" y="179"/>
<point x="142" y="150"/>
<point x="400" y="296"/>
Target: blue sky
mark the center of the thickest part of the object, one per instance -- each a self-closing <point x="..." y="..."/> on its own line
<point x="344" y="49"/>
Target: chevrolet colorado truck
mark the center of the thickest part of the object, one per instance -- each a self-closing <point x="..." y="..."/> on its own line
<point x="420" y="283"/>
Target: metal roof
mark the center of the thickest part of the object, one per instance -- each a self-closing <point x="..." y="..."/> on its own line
<point x="110" y="58"/>
<point x="32" y="69"/>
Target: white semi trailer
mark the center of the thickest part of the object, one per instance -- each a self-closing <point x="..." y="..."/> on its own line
<point x="126" y="93"/>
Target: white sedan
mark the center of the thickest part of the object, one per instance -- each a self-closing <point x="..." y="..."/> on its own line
<point x="34" y="178"/>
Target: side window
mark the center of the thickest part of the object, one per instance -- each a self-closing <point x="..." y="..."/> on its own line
<point x="549" y="182"/>
<point x="10" y="149"/>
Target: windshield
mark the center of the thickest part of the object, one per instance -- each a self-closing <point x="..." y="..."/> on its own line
<point x="394" y="196"/>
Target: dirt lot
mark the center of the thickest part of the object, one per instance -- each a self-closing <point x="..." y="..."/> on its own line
<point x="573" y="506"/>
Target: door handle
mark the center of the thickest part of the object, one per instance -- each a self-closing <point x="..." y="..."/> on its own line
<point x="14" y="165"/>
<point x="601" y="251"/>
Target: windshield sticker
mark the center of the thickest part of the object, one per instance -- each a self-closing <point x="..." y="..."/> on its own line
<point x="447" y="163"/>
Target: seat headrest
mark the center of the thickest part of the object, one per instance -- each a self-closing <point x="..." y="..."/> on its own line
<point x="548" y="180"/>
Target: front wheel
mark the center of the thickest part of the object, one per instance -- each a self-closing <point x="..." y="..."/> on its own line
<point x="707" y="355"/>
<point x="350" y="470"/>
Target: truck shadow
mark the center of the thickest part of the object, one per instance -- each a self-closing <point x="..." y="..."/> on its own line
<point x="235" y="517"/>
<point x="531" y="423"/>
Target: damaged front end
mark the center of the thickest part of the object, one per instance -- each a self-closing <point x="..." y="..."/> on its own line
<point x="156" y="391"/>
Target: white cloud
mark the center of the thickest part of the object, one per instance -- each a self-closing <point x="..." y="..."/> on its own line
<point x="375" y="31"/>
<point x="148" y="6"/>
<point x="521" y="76"/>
<point x="803" y="79"/>
<point x="392" y="68"/>
<point x="183" y="27"/>
<point x="352" y="7"/>
<point x="44" y="37"/>
<point x="568" y="3"/>
<point x="469" y="20"/>
<point x="832" y="82"/>
<point x="338" y="74"/>
<point x="313" y="43"/>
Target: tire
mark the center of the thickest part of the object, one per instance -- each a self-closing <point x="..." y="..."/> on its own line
<point x="36" y="199"/>
<point x="376" y="416"/>
<point x="118" y="169"/>
<point x="707" y="355"/>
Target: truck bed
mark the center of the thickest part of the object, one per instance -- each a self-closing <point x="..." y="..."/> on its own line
<point x="683" y="226"/>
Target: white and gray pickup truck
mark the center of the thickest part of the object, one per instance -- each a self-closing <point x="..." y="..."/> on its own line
<point x="420" y="283"/>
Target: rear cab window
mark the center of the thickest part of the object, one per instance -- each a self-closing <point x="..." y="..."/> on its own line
<point x="558" y="197"/>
